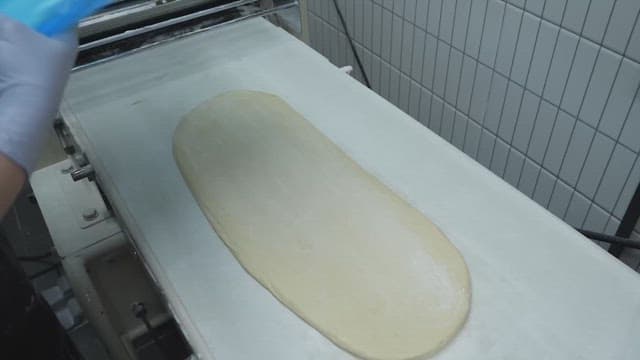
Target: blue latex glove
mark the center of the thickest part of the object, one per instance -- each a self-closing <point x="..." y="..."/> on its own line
<point x="50" y="17"/>
<point x="33" y="73"/>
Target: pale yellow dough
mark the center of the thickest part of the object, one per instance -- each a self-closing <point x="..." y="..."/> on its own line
<point x="329" y="240"/>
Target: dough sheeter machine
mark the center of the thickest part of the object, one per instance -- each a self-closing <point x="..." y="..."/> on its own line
<point x="540" y="290"/>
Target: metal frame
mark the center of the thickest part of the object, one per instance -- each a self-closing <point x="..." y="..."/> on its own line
<point x="123" y="13"/>
<point x="628" y="223"/>
<point x="134" y="40"/>
<point x="162" y="24"/>
<point x="74" y="143"/>
<point x="621" y="239"/>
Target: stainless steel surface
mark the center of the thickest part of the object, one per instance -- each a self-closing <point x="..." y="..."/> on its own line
<point x="120" y="19"/>
<point x="116" y="53"/>
<point x="162" y="24"/>
<point x="126" y="12"/>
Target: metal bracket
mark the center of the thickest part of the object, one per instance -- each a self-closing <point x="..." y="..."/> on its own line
<point x="628" y="223"/>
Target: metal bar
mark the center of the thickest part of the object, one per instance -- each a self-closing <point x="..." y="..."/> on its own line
<point x="353" y="48"/>
<point x="233" y="21"/>
<point x="118" y="12"/>
<point x="628" y="223"/>
<point x="162" y="24"/>
<point x="614" y="240"/>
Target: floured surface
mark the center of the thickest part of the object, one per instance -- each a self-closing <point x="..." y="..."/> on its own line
<point x="528" y="294"/>
<point x="326" y="238"/>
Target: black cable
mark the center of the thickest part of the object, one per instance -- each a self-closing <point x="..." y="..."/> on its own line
<point x="615" y="240"/>
<point x="353" y="48"/>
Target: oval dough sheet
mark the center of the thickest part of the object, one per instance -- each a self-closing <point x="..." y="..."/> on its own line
<point x="328" y="239"/>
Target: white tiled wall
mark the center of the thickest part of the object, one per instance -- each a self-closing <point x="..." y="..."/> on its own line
<point x="542" y="92"/>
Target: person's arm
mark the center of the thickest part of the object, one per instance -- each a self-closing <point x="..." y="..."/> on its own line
<point x="33" y="73"/>
<point x="11" y="181"/>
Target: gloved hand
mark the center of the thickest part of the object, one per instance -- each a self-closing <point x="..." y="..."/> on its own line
<point x="33" y="73"/>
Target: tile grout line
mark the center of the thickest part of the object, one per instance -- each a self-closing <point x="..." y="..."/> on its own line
<point x="413" y="42"/>
<point x="475" y="74"/>
<point x="542" y="99"/>
<point x="500" y="73"/>
<point x="354" y="36"/>
<point x="535" y="122"/>
<point x="595" y="134"/>
<point x="380" y="41"/>
<point x="422" y="70"/>
<point x="635" y="24"/>
<point x="504" y="102"/>
<point x="516" y="150"/>
<point x="435" y="65"/>
<point x="557" y="178"/>
<point x="513" y="148"/>
<point x="555" y="119"/>
<point x="560" y="26"/>
<point x="354" y="32"/>
<point x="446" y="76"/>
<point x="508" y="77"/>
<point x="482" y="128"/>
<point x="524" y="91"/>
<point x="564" y="89"/>
<point x="464" y="45"/>
<point x="626" y="119"/>
<point x="369" y="39"/>
<point x="391" y="42"/>
<point x="459" y="112"/>
<point x="454" y="106"/>
<point x="535" y="118"/>
<point x="624" y="123"/>
<point x="373" y="81"/>
<point x="401" y="54"/>
<point x="390" y="66"/>
<point x="595" y="62"/>
<point x="613" y="149"/>
<point x="623" y="54"/>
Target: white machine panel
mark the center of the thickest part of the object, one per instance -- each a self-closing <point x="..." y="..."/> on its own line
<point x="540" y="289"/>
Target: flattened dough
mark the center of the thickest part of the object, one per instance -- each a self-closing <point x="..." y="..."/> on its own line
<point x="329" y="240"/>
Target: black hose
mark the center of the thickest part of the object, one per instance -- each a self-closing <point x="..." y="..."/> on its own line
<point x="616" y="240"/>
<point x="628" y="222"/>
<point x="353" y="48"/>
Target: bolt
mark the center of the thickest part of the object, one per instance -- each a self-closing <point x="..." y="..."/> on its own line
<point x="90" y="214"/>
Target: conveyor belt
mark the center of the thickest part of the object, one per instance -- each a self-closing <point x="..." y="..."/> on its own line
<point x="540" y="289"/>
